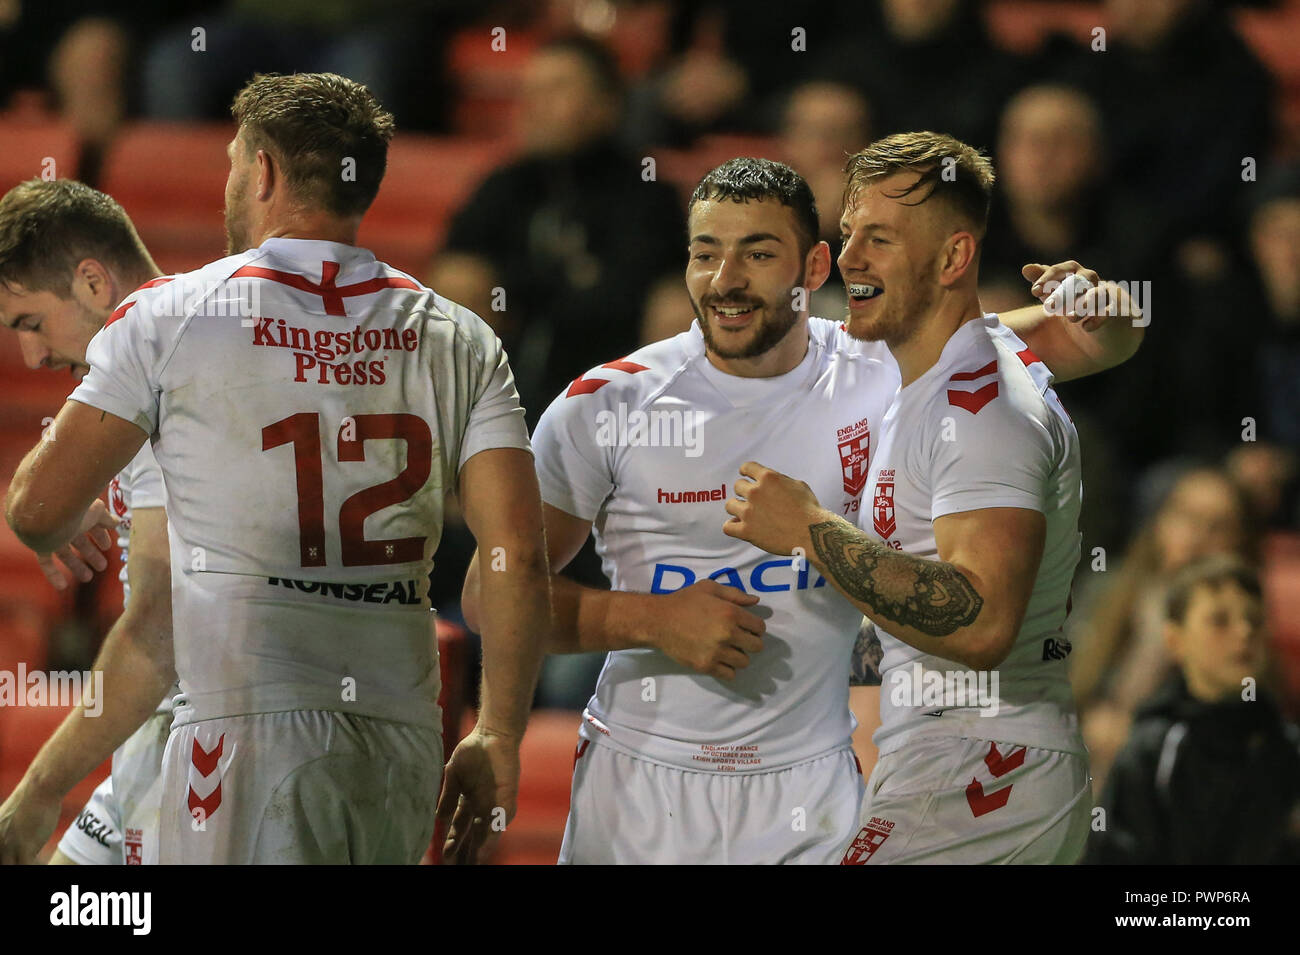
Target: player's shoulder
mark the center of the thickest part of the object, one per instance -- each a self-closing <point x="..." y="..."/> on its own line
<point x="181" y="293"/>
<point x="988" y="375"/>
<point x="638" y="377"/>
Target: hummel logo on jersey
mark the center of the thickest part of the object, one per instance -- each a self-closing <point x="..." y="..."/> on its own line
<point x="692" y="497"/>
<point x="974" y="401"/>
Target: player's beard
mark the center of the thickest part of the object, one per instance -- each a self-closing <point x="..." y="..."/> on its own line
<point x="770" y="325"/>
<point x="905" y="307"/>
<point x="237" y="239"/>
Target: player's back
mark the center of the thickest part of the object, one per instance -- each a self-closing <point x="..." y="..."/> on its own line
<point x="313" y="408"/>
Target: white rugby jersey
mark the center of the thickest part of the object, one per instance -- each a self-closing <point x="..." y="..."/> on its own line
<point x="649" y="448"/>
<point x="981" y="428"/>
<point x="309" y="407"/>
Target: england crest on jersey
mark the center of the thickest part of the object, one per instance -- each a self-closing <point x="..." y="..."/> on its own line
<point x="855" y="450"/>
<point x="882" y="504"/>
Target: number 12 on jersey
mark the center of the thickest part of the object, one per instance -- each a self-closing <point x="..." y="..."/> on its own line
<point x="302" y="430"/>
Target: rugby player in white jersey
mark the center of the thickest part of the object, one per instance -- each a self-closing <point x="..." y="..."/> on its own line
<point x="68" y="255"/>
<point x="309" y="408"/>
<point x="968" y="537"/>
<point x="720" y="726"/>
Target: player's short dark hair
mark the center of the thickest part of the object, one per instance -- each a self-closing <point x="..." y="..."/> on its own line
<point x="1212" y="572"/>
<point x="596" y="57"/>
<point x="747" y="178"/>
<point x="950" y="171"/>
<point x="312" y="124"/>
<point x="48" y="227"/>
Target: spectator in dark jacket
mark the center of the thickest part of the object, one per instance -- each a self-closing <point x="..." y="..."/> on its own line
<point x="1211" y="772"/>
<point x="574" y="233"/>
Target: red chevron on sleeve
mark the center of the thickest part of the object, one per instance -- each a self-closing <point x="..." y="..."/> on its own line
<point x="126" y="306"/>
<point x="973" y="401"/>
<point x="585" y="386"/>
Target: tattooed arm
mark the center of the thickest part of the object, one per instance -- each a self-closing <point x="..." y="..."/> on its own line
<point x="864" y="668"/>
<point x="967" y="606"/>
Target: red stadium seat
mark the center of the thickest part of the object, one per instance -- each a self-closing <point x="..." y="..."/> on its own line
<point x="35" y="147"/>
<point x="171" y="179"/>
<point x="427" y="180"/>
<point x="488" y="78"/>
<point x="546" y="759"/>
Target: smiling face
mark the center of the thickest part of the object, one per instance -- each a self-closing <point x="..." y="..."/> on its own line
<point x="891" y="259"/>
<point x="746" y="262"/>
<point x="53" y="332"/>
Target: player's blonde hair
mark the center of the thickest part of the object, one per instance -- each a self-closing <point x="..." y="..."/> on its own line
<point x="950" y="170"/>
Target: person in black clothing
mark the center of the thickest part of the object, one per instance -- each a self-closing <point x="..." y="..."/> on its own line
<point x="574" y="234"/>
<point x="1211" y="772"/>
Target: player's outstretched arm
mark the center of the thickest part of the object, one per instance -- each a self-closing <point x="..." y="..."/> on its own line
<point x="137" y="669"/>
<point x="78" y="454"/>
<point x="705" y="626"/>
<point x="502" y="506"/>
<point x="1093" y="332"/>
<point x="966" y="607"/>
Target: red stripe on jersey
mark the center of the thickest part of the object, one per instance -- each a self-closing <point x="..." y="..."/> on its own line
<point x="332" y="295"/>
<point x="978" y="373"/>
<point x="585" y="386"/>
<point x="1027" y="356"/>
<point x="973" y="401"/>
<point x="126" y="306"/>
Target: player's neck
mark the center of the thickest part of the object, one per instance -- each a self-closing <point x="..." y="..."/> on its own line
<point x="922" y="349"/>
<point x="305" y="225"/>
<point x="781" y="358"/>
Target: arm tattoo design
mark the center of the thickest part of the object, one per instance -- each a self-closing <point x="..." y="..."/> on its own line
<point x="927" y="595"/>
<point x="867" y="653"/>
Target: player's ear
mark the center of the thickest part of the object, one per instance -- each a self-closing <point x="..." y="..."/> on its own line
<point x="93" y="285"/>
<point x="959" y="257"/>
<point x="267" y="175"/>
<point x="817" y="266"/>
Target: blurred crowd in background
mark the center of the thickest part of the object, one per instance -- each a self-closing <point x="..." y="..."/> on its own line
<point x="1162" y="151"/>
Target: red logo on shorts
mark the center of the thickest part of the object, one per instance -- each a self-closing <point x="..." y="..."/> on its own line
<point x="855" y="451"/>
<point x="133" y="840"/>
<point x="205" y="764"/>
<point x="870" y="838"/>
<point x="882" y="505"/>
<point x="999" y="765"/>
